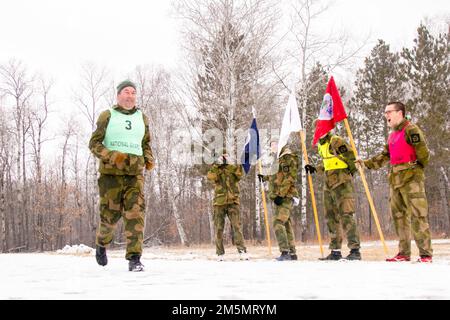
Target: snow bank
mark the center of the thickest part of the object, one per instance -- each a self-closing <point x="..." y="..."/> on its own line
<point x="76" y="250"/>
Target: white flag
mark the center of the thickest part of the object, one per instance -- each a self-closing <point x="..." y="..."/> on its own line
<point x="291" y="122"/>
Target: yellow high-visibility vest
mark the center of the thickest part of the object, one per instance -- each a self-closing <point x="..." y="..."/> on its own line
<point x="330" y="161"/>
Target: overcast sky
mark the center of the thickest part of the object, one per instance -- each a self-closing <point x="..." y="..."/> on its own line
<point x="56" y="36"/>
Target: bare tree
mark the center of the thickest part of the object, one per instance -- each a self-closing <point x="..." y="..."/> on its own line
<point x="94" y="87"/>
<point x="17" y="86"/>
<point x="5" y="170"/>
<point x="63" y="190"/>
<point x="332" y="51"/>
<point x="154" y="99"/>
<point x="229" y="49"/>
<point x="76" y="169"/>
<point x="228" y="43"/>
<point x="37" y="118"/>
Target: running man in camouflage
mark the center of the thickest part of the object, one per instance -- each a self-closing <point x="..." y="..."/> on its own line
<point x="121" y="142"/>
<point x="225" y="177"/>
<point x="408" y="154"/>
<point x="338" y="195"/>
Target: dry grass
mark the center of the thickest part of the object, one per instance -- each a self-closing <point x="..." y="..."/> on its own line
<point x="371" y="251"/>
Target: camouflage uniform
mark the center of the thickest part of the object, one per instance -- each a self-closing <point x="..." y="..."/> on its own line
<point x="121" y="186"/>
<point x="226" y="203"/>
<point x="282" y="184"/>
<point x="338" y="195"/>
<point x="409" y="206"/>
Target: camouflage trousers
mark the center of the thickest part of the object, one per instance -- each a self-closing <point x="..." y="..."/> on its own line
<point x="282" y="225"/>
<point x="232" y="211"/>
<point x="409" y="208"/>
<point x="339" y="212"/>
<point x="122" y="196"/>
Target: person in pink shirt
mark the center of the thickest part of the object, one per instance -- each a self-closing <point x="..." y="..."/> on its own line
<point x="407" y="153"/>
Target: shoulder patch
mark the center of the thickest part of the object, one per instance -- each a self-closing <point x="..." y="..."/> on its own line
<point x="343" y="149"/>
<point x="415" y="138"/>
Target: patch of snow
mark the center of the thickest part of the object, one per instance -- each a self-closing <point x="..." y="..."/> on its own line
<point x="76" y="250"/>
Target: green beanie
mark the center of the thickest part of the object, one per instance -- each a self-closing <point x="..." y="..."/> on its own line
<point x="124" y="84"/>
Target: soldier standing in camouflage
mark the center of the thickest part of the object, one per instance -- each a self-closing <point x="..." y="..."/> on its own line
<point x="338" y="195"/>
<point x="225" y="177"/>
<point x="282" y="191"/>
<point x="121" y="142"/>
<point x="408" y="154"/>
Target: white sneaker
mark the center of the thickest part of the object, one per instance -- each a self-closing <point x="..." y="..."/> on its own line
<point x="220" y="258"/>
<point x="243" y="256"/>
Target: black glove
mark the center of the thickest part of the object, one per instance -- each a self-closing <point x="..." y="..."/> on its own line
<point x="310" y="169"/>
<point x="261" y="177"/>
<point x="278" y="200"/>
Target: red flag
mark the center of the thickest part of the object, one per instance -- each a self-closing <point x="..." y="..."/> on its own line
<point x="331" y="111"/>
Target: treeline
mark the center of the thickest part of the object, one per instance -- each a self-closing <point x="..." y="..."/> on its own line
<point x="231" y="66"/>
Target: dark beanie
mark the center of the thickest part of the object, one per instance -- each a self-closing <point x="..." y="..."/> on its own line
<point x="124" y="84"/>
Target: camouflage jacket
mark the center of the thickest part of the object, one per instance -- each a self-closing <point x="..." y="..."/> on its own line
<point x="401" y="174"/>
<point x="340" y="148"/>
<point x="226" y="183"/>
<point x="282" y="183"/>
<point x="134" y="164"/>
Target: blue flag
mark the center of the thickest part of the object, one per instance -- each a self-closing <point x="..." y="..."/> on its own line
<point x="251" y="149"/>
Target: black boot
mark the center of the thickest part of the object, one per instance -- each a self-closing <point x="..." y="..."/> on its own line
<point x="285" y="256"/>
<point x="100" y="255"/>
<point x="334" y="255"/>
<point x="135" y="264"/>
<point x="354" y="255"/>
<point x="293" y="255"/>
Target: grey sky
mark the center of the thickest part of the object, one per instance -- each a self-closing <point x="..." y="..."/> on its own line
<point x="57" y="36"/>
<point x="394" y="21"/>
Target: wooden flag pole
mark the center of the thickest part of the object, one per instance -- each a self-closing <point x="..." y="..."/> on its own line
<point x="311" y="189"/>
<point x="363" y="178"/>
<point x="266" y="219"/>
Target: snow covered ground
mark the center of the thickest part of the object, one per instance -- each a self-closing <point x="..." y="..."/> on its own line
<point x="193" y="273"/>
